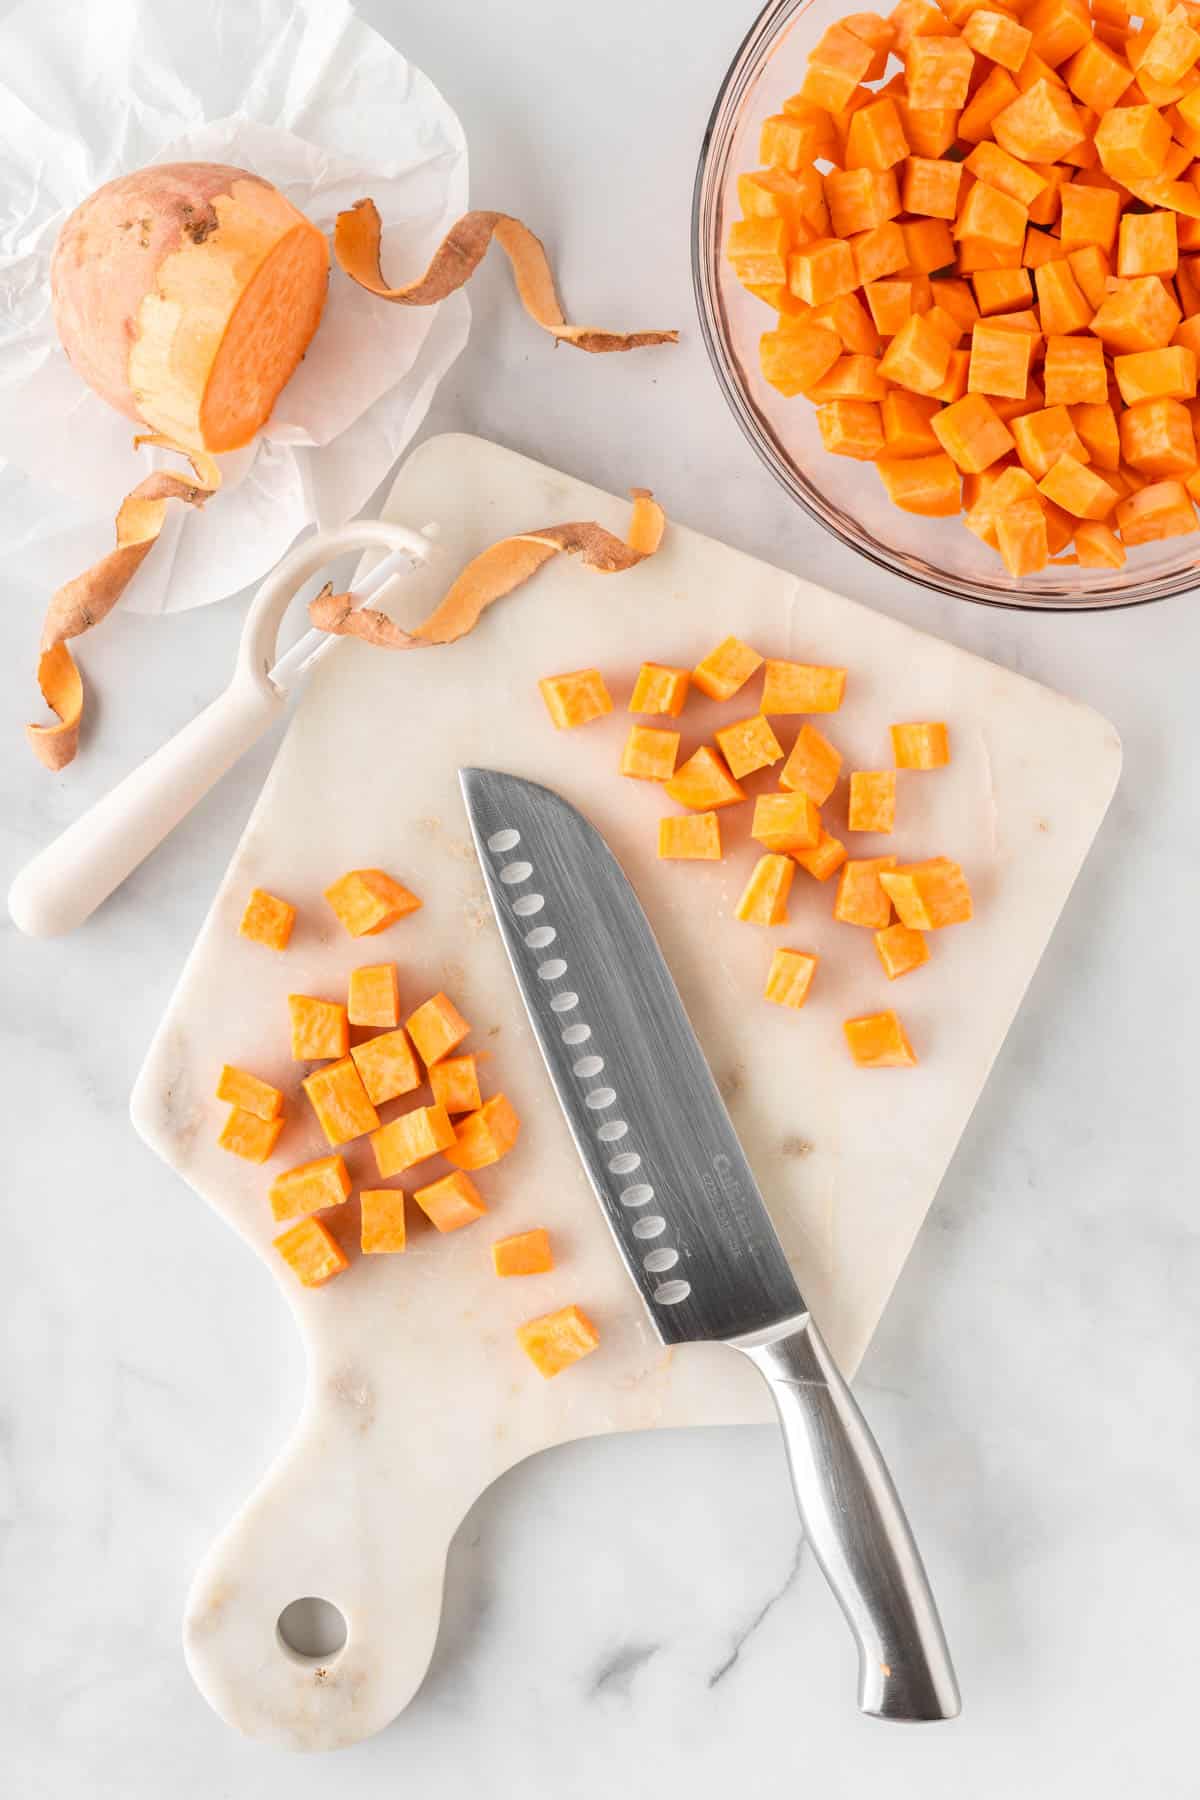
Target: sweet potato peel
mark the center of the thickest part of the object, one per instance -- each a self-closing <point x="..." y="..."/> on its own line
<point x="494" y="573"/>
<point x="356" y="242"/>
<point x="88" y="598"/>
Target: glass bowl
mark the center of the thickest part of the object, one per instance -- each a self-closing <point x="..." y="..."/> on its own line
<point x="846" y="496"/>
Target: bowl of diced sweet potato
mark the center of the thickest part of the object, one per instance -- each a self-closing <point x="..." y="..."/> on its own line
<point x="947" y="262"/>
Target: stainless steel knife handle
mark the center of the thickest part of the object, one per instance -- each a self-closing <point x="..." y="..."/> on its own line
<point x="855" y="1524"/>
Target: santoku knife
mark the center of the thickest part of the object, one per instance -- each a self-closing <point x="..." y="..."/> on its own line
<point x="681" y="1201"/>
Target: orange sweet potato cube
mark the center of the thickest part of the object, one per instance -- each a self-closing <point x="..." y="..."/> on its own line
<point x="860" y="199"/>
<point x="320" y="1029"/>
<point x="971" y="433"/>
<point x="374" y="995"/>
<point x="339" y="1099"/>
<point x="1168" y="374"/>
<point x="793" y="138"/>
<point x="703" y="782"/>
<point x="900" y="950"/>
<point x="1098" y="547"/>
<point x="878" y="1041"/>
<point x="524" y="1253"/>
<point x="878" y="253"/>
<point x="387" y="1066"/>
<point x="558" y="1339"/>
<point x="938" y="72"/>
<point x="1162" y="509"/>
<point x="992" y="217"/>
<point x="928" y="895"/>
<point x="997" y="36"/>
<point x="1074" y="373"/>
<point x="908" y="423"/>
<point x="693" y="838"/>
<point x="765" y="896"/>
<point x="1062" y="305"/>
<point x="248" y="1135"/>
<point x="860" y="898"/>
<point x="1023" y="538"/>
<point x="852" y="377"/>
<point x="575" y="698"/>
<point x="812" y="767"/>
<point x="791" y="687"/>
<point x="789" y="978"/>
<point x="849" y="319"/>
<point x="310" y="1187"/>
<point x="411" y="1138"/>
<point x="1040" y="125"/>
<point x="660" y="689"/>
<point x="382" y="1231"/>
<point x="1096" y="75"/>
<point x="917" y="357"/>
<point x="248" y="1093"/>
<point x="930" y="187"/>
<point x="835" y="67"/>
<point x="649" y="755"/>
<point x="485" y="1136"/>
<point x="1088" y="215"/>
<point x="436" y="1028"/>
<point x="928" y="245"/>
<point x="926" y="485"/>
<point x="267" y="920"/>
<point x="1141" y="315"/>
<point x="1132" y="142"/>
<point x="455" y="1084"/>
<point x="1172" y="47"/>
<point x="367" y="901"/>
<point x="1002" y="290"/>
<point x="1158" y="438"/>
<point x="452" y="1202"/>
<point x="1078" y="490"/>
<point x="924" y="745"/>
<point x="1148" y="244"/>
<point x="875" y="137"/>
<point x="793" y="361"/>
<point x="823" y="861"/>
<point x="851" y="428"/>
<point x="879" y="33"/>
<point x="872" y="800"/>
<point x="748" y="745"/>
<point x="795" y="196"/>
<point x="1096" y="428"/>
<point x="822" y="270"/>
<point x="1042" y="437"/>
<point x="312" y="1252"/>
<point x="729" y="667"/>
<point x="786" y="822"/>
<point x="996" y="91"/>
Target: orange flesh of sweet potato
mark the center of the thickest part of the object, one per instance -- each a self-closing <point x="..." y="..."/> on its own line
<point x="310" y="1187"/>
<point x="694" y="838"/>
<point x="724" y="670"/>
<point x="878" y="1041"/>
<point x="339" y="1099"/>
<point x="748" y="745"/>
<point x="451" y="1203"/>
<point x="373" y="997"/>
<point x="703" y="782"/>
<point x="786" y="822"/>
<point x="524" y="1253"/>
<point x="436" y="1029"/>
<point x="872" y="800"/>
<point x="248" y="1135"/>
<point x="900" y="950"/>
<point x="790" y="687"/>
<point x="928" y="895"/>
<point x="387" y="1066"/>
<point x="660" y="689"/>
<point x="812" y="766"/>
<point x="921" y="746"/>
<point x="320" y="1030"/>
<point x="367" y="901"/>
<point x="382" y="1232"/>
<point x="455" y="1084"/>
<point x="485" y="1136"/>
<point x="558" y="1339"/>
<point x="412" y="1138"/>
<point x="649" y="754"/>
<point x="312" y="1252"/>
<point x="823" y="861"/>
<point x="765" y="896"/>
<point x="575" y="699"/>
<point x="861" y="899"/>
<point x="267" y="920"/>
<point x="789" y="978"/>
<point x="248" y="1093"/>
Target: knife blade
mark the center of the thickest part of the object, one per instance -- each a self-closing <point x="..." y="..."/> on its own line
<point x="685" y="1210"/>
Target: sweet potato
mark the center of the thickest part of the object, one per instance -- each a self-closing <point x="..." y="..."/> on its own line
<point x="790" y="978"/>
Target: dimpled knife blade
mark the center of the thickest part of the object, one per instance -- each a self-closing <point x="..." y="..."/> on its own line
<point x="650" y="1126"/>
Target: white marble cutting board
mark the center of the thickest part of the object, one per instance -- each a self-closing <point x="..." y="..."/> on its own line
<point x="418" y="1397"/>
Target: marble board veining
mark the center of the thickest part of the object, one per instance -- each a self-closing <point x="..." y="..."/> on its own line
<point x="418" y="1397"/>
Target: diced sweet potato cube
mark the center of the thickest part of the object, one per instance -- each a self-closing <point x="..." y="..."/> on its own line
<point x="890" y="303"/>
<point x="455" y="1084"/>
<point x="999" y="492"/>
<point x="249" y="1135"/>
<point x="1000" y="360"/>
<point x="996" y="91"/>
<point x="989" y="163"/>
<point x="851" y="378"/>
<point x="793" y="361"/>
<point x="917" y="357"/>
<point x="452" y="1202"/>
<point x="1096" y="75"/>
<point x="822" y="270"/>
<point x="930" y="187"/>
<point x="1078" y="490"/>
<point x="374" y="995"/>
<point x="727" y="668"/>
<point x="879" y="252"/>
<point x="382" y="1231"/>
<point x="1148" y="244"/>
<point x="938" y="71"/>
<point x="849" y="318"/>
<point x="992" y="217"/>
<point x="765" y="896"/>
<point x="1168" y="374"/>
<point x="320" y="1029"/>
<point x="694" y="838"/>
<point x="928" y="895"/>
<point x="1132" y="142"/>
<point x="575" y="698"/>
<point x="835" y="67"/>
<point x="872" y="800"/>
<point x="1023" y="538"/>
<point x="748" y="745"/>
<point x="908" y="423"/>
<point x="1074" y="372"/>
<point x="1091" y="269"/>
<point x="997" y="36"/>
<point x="436" y="1029"/>
<point x="703" y="782"/>
<point x="924" y="745"/>
<point x="795" y="196"/>
<point x="789" y="978"/>
<point x="1040" y="125"/>
<point x="928" y="244"/>
<point x="339" y="1099"/>
<point x="812" y="767"/>
<point x="411" y="1138"/>
<point x="900" y="950"/>
<point x="851" y="428"/>
<point x="970" y="433"/>
<point x="267" y="920"/>
<point x="875" y="137"/>
<point x="786" y="822"/>
<point x="367" y="901"/>
<point x="860" y="898"/>
<point x="1042" y="437"/>
<point x="860" y="199"/>
<point x="525" y="1253"/>
<point x="485" y="1136"/>
<point x="1062" y="305"/>
<point x="878" y="1041"/>
<point x="926" y="485"/>
<point x="1098" y="547"/>
<point x="1161" y="510"/>
<point x="1089" y="215"/>
<point x="248" y="1093"/>
<point x="793" y="138"/>
<point x="1002" y="290"/>
<point x="918" y="18"/>
<point x="1141" y="315"/>
<point x="660" y="689"/>
<point x="1158" y="438"/>
<point x="824" y="860"/>
<point x="1172" y="48"/>
<point x="558" y="1339"/>
<point x="1059" y="28"/>
<point x="792" y="687"/>
<point x="312" y="1252"/>
<point x="758" y="249"/>
<point x="649" y="755"/>
<point x="309" y="1187"/>
<point x="387" y="1066"/>
<point x="1096" y="427"/>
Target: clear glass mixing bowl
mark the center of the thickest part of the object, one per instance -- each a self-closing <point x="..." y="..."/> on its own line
<point x="847" y="496"/>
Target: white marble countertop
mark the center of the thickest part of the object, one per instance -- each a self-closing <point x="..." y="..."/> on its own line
<point x="629" y="1615"/>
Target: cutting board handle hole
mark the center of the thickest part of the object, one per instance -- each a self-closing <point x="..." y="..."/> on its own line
<point x="312" y="1629"/>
